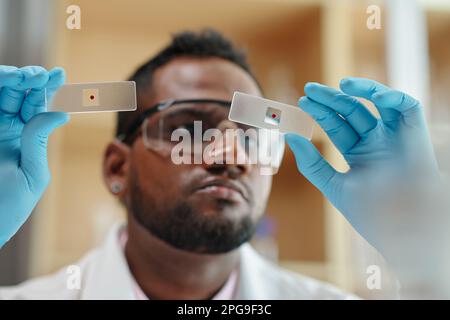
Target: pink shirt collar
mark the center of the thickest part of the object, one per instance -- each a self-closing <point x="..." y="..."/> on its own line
<point x="226" y="293"/>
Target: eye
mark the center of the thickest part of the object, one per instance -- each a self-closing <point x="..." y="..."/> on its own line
<point x="248" y="142"/>
<point x="251" y="141"/>
<point x="189" y="126"/>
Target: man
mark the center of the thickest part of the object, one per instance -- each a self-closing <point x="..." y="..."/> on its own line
<point x="188" y="225"/>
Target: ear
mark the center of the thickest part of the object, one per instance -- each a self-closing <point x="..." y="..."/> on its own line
<point x="116" y="162"/>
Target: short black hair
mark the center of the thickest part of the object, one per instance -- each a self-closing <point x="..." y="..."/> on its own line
<point x="204" y="44"/>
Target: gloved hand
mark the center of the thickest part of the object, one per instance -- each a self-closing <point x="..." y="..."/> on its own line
<point x="24" y="130"/>
<point x="388" y="157"/>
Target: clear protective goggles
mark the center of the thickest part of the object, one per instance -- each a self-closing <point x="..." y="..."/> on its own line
<point x="198" y="131"/>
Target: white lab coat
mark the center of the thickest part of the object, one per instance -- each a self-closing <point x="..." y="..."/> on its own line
<point x="105" y="275"/>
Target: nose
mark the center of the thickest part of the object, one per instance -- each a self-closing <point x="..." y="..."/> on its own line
<point x="227" y="156"/>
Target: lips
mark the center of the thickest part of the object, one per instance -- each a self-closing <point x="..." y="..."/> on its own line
<point x="223" y="188"/>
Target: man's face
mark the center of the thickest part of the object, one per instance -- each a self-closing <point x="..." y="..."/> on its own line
<point x="199" y="208"/>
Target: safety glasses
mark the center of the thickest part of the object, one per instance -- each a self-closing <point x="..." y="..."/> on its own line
<point x="198" y="130"/>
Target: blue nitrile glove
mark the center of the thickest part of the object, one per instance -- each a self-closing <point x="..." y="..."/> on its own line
<point x="387" y="156"/>
<point x="24" y="130"/>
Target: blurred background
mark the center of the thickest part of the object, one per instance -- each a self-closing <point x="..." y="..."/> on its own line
<point x="289" y="42"/>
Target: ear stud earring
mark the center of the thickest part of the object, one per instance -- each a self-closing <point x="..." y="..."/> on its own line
<point x="116" y="187"/>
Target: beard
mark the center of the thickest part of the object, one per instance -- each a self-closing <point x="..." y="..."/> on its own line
<point x="182" y="226"/>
